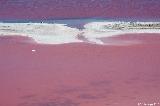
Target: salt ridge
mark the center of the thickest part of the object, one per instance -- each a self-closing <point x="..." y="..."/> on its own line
<point x="47" y="33"/>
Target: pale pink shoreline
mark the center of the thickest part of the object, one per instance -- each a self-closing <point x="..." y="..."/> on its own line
<point x="79" y="74"/>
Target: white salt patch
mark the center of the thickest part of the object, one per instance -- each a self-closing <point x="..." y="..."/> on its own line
<point x="41" y="32"/>
<point x="97" y="30"/>
<point x="61" y="33"/>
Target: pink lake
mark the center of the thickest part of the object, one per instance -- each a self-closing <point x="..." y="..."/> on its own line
<point x="79" y="74"/>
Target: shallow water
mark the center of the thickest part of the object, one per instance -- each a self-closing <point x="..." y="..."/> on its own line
<point x="79" y="74"/>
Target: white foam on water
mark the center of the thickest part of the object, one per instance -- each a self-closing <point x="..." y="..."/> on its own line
<point x="45" y="33"/>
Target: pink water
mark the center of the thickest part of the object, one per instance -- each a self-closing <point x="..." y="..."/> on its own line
<point x="79" y="74"/>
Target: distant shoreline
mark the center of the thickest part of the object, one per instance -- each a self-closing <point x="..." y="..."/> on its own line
<point x="13" y="20"/>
